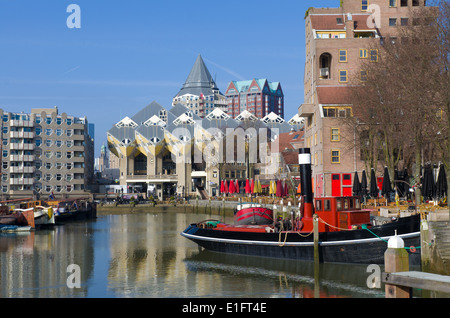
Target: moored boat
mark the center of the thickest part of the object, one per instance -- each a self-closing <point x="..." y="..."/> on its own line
<point x="346" y="234"/>
<point x="252" y="214"/>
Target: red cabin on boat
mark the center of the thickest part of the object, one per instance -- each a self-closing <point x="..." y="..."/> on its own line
<point x="338" y="213"/>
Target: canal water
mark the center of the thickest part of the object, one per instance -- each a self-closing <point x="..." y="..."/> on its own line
<point x="143" y="255"/>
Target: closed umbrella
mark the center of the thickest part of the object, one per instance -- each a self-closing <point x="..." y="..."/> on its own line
<point x="363" y="183"/>
<point x="259" y="186"/>
<point x="286" y="189"/>
<point x="279" y="189"/>
<point x="274" y="187"/>
<point x="232" y="188"/>
<point x="222" y="187"/>
<point x="247" y="186"/>
<point x="441" y="184"/>
<point x="299" y="188"/>
<point x="225" y="187"/>
<point x="428" y="186"/>
<point x="252" y="186"/>
<point x="356" y="185"/>
<point x="386" y="187"/>
<point x="270" y="187"/>
<point x="373" y="192"/>
<point x="237" y="186"/>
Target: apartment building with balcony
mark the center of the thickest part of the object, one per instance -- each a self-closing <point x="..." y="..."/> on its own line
<point x="260" y="97"/>
<point x="45" y="152"/>
<point x="337" y="41"/>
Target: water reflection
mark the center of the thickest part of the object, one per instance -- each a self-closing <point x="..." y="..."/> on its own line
<point x="144" y="255"/>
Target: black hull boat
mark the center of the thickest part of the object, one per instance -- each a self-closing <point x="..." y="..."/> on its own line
<point x="363" y="246"/>
<point x="346" y="233"/>
<point x="251" y="214"/>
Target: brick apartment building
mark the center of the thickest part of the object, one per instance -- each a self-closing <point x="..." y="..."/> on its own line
<point x="337" y="40"/>
<point x="258" y="96"/>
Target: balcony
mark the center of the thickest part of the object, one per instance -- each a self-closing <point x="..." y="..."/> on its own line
<point x="22" y="169"/>
<point x="21" y="158"/>
<point x="21" y="134"/>
<point x="152" y="178"/>
<point x="21" y="123"/>
<point x="306" y="110"/>
<point x="21" y="146"/>
<point x="324" y="73"/>
<point x="19" y="181"/>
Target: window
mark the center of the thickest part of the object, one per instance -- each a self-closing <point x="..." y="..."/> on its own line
<point x="343" y="76"/>
<point x="48" y="142"/>
<point x="48" y="165"/>
<point x="48" y="188"/>
<point x="69" y="121"/>
<point x="5" y="118"/>
<point x="69" y="188"/>
<point x="68" y="165"/>
<point x="363" y="76"/>
<point x="38" y="119"/>
<point x="68" y="154"/>
<point x="364" y="5"/>
<point x="392" y="3"/>
<point x="47" y="177"/>
<point x="58" y="143"/>
<point x="374" y="55"/>
<point x="38" y="131"/>
<point x="69" y="132"/>
<point x="48" y="131"/>
<point x="58" y="177"/>
<point x="48" y="154"/>
<point x="58" y="165"/>
<point x="58" y="120"/>
<point x="58" y="154"/>
<point x="363" y="53"/>
<point x="342" y="56"/>
<point x="335" y="156"/>
<point x="404" y="21"/>
<point x="48" y="120"/>
<point x="392" y="22"/>
<point x="59" y="132"/>
<point x="415" y="3"/>
<point x="335" y="134"/>
<point x="5" y="153"/>
<point x="5" y="129"/>
<point x="69" y="177"/>
<point x="404" y="3"/>
<point x="69" y="143"/>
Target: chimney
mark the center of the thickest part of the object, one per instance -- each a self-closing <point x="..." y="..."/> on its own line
<point x="349" y="26"/>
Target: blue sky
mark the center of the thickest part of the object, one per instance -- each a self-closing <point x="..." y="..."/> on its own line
<point x="129" y="53"/>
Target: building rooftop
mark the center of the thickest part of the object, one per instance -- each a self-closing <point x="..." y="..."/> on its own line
<point x="199" y="81"/>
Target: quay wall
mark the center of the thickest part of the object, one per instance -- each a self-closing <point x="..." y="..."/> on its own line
<point x="435" y="236"/>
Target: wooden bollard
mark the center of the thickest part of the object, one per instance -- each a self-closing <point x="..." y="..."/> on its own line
<point x="396" y="260"/>
<point x="316" y="238"/>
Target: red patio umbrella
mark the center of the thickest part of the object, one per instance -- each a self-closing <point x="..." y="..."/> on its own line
<point x="286" y="189"/>
<point x="225" y="187"/>
<point x="232" y="188"/>
<point x="299" y="188"/>
<point x="222" y="187"/>
<point x="247" y="186"/>
<point x="279" y="188"/>
<point x="237" y="186"/>
<point x="252" y="187"/>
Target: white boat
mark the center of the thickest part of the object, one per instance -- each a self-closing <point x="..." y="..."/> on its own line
<point x="42" y="215"/>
